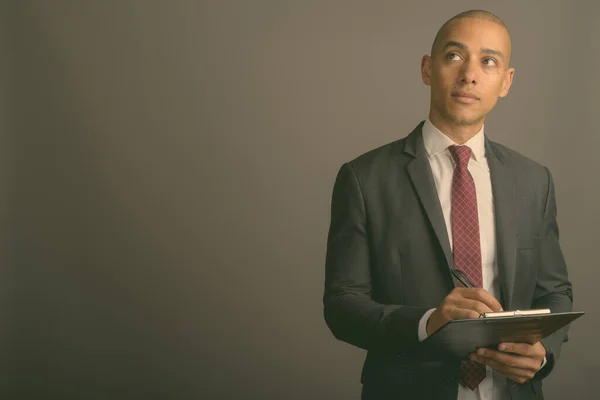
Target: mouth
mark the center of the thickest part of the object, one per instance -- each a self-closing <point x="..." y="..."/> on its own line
<point x="465" y="97"/>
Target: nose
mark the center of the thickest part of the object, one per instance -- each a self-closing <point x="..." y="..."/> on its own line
<point x="468" y="72"/>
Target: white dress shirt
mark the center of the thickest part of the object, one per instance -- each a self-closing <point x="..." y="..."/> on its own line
<point x="442" y="167"/>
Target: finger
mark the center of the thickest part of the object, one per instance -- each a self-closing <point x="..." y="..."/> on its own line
<point x="469" y="304"/>
<point x="516" y="372"/>
<point x="510" y="360"/>
<point x="483" y="296"/>
<point x="461" y="313"/>
<point x="474" y="357"/>
<point x="516" y="378"/>
<point x="524" y="349"/>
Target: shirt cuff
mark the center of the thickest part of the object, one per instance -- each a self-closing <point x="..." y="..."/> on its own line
<point x="543" y="362"/>
<point x="423" y="326"/>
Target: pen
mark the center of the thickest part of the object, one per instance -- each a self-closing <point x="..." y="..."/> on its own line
<point x="462" y="278"/>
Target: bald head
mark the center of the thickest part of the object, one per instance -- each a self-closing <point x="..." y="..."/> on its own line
<point x="478" y="14"/>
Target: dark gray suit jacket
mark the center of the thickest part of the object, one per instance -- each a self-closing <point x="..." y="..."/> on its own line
<point x="388" y="261"/>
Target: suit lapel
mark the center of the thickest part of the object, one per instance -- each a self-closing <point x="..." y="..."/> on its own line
<point x="504" y="197"/>
<point x="421" y="176"/>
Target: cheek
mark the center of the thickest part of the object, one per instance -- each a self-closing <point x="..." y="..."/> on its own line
<point x="497" y="85"/>
<point x="445" y="82"/>
<point x="442" y="78"/>
<point x="442" y="88"/>
<point x="490" y="101"/>
<point x="491" y="94"/>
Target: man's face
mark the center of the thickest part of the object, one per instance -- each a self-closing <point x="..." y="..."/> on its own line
<point x="468" y="71"/>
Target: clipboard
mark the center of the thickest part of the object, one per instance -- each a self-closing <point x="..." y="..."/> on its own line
<point x="464" y="336"/>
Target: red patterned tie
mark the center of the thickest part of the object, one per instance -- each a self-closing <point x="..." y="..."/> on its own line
<point x="465" y="242"/>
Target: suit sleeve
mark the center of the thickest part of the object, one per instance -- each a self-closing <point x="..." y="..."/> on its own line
<point x="553" y="289"/>
<point x="349" y="309"/>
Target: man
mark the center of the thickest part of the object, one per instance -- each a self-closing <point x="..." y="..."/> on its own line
<point x="444" y="197"/>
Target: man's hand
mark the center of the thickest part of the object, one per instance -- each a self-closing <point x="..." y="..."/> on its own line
<point x="462" y="303"/>
<point x="516" y="361"/>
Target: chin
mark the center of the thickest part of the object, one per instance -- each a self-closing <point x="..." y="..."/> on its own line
<point x="468" y="121"/>
<point x="465" y="119"/>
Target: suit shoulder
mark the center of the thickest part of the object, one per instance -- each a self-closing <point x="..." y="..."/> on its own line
<point x="518" y="160"/>
<point x="376" y="157"/>
<point x="529" y="175"/>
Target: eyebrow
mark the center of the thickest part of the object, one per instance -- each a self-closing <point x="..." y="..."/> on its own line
<point x="461" y="46"/>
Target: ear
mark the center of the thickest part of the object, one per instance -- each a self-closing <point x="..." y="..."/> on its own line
<point x="426" y="67"/>
<point x="506" y="84"/>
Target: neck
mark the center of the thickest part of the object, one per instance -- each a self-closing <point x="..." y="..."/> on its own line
<point x="457" y="132"/>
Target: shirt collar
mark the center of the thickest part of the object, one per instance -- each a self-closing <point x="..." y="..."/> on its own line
<point x="436" y="142"/>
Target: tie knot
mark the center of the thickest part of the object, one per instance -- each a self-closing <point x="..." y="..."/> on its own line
<point x="461" y="154"/>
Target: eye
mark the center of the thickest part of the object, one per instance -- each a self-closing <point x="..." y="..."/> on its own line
<point x="453" y="56"/>
<point x="490" y="62"/>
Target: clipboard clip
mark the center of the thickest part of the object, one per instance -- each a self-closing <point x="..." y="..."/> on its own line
<point x="516" y="313"/>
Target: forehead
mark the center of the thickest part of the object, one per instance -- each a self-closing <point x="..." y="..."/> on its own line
<point x="476" y="34"/>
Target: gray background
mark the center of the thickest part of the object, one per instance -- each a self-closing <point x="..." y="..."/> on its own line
<point x="168" y="168"/>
